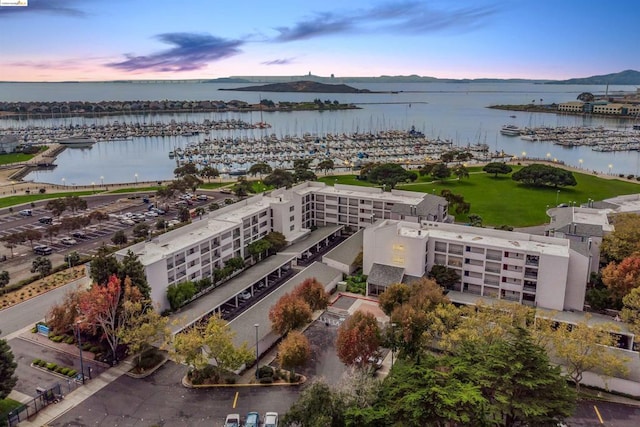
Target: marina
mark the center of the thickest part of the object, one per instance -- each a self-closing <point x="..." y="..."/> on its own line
<point x="598" y="138"/>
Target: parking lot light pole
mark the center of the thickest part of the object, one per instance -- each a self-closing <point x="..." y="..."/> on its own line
<point x="257" y="354"/>
<point x="80" y="348"/>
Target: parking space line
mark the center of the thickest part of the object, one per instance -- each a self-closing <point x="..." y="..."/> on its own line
<point x="595" y="408"/>
<point x="235" y="400"/>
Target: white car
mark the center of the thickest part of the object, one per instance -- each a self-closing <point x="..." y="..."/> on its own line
<point x="26" y="212"/>
<point x="151" y="214"/>
<point x="202" y="197"/>
<point x="127" y="221"/>
<point x="246" y="295"/>
<point x="232" y="420"/>
<point x="68" y="241"/>
<point x="271" y="419"/>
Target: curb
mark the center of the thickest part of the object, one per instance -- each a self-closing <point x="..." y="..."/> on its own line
<point x="147" y="373"/>
<point x="187" y="384"/>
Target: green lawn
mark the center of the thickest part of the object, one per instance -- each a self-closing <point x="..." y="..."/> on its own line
<point x="502" y="201"/>
<point x="27" y="198"/>
<point x="152" y="189"/>
<point x="5" y="159"/>
<point x="213" y="185"/>
<point x="345" y="179"/>
<point x="7" y="405"/>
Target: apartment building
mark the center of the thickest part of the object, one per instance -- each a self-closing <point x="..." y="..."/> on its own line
<point x="572" y="107"/>
<point x="534" y="270"/>
<point x="194" y="251"/>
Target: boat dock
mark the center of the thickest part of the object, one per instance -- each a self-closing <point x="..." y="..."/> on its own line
<point x="598" y="138"/>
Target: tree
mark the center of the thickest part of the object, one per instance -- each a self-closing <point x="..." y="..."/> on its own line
<point x="62" y="317"/>
<point x="42" y="266"/>
<point x="440" y="171"/>
<point x="242" y="187"/>
<point x="31" y="235"/>
<point x="294" y="351"/>
<point x="4" y="278"/>
<point x="580" y="348"/>
<point x="621" y="278"/>
<point x="103" y="266"/>
<point x="394" y="296"/>
<point x="184" y="215"/>
<point x="631" y="310"/>
<point x="290" y="312"/>
<point x="257" y="248"/>
<point x="209" y="172"/>
<point x="260" y="168"/>
<point x="144" y="327"/>
<point x="188" y="347"/>
<point x="7" y="369"/>
<point x="539" y="175"/>
<point x="325" y="165"/>
<point x="119" y="238"/>
<point x="389" y="174"/>
<point x="456" y="202"/>
<point x="497" y="168"/>
<point x="131" y="267"/>
<point x="140" y="231"/>
<point x="475" y="220"/>
<point x="56" y="206"/>
<point x="12" y="240"/>
<point x="586" y="97"/>
<point x="358" y="340"/>
<point x="279" y="178"/>
<point x="461" y="171"/>
<point x="98" y="216"/>
<point x="51" y="231"/>
<point x="313" y="293"/>
<point x="72" y="258"/>
<point x="518" y="381"/>
<point x="624" y="241"/>
<point x="75" y="203"/>
<point x="186" y="169"/>
<point x="318" y="406"/>
<point x="277" y="240"/>
<point x="444" y="276"/>
<point x="191" y="181"/>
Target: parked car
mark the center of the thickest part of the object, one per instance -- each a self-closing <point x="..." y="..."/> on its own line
<point x="45" y="220"/>
<point x="26" y="212"/>
<point x="151" y="214"/>
<point x="68" y="241"/>
<point x="42" y="250"/>
<point x="202" y="197"/>
<point x="232" y="420"/>
<point x="246" y="295"/>
<point x="127" y="221"/>
<point x="253" y="420"/>
<point x="159" y="211"/>
<point x="271" y="419"/>
<point x="79" y="234"/>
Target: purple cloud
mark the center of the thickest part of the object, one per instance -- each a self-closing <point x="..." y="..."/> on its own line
<point x="191" y="52"/>
<point x="411" y="17"/>
<point x="283" y="61"/>
<point x="56" y="7"/>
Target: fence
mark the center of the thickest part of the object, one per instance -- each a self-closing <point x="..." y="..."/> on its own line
<point x="45" y="398"/>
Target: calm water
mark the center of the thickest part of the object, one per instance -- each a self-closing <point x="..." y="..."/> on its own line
<point x="446" y="110"/>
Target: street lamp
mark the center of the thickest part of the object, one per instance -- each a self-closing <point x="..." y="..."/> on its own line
<point x="548" y="156"/>
<point x="101" y="181"/>
<point x="580" y="161"/>
<point x="557" y="195"/>
<point x="80" y="348"/>
<point x="63" y="184"/>
<point x="136" y="177"/>
<point x="524" y="154"/>
<point x="257" y="354"/>
<point x="610" y="167"/>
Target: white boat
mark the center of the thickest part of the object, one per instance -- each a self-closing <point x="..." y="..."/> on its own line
<point x="510" y="130"/>
<point x="77" y="140"/>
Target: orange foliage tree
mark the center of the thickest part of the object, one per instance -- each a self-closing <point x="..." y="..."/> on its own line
<point x="62" y="317"/>
<point x="294" y="351"/>
<point x="358" y="339"/>
<point x="313" y="293"/>
<point x="290" y="312"/>
<point x="623" y="277"/>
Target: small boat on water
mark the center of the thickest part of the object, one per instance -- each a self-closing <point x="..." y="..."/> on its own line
<point x="510" y="130"/>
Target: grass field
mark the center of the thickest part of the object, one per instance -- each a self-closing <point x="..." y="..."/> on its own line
<point x="7" y="405"/>
<point x="28" y="198"/>
<point x="6" y="159"/>
<point x="134" y="190"/>
<point x="502" y="201"/>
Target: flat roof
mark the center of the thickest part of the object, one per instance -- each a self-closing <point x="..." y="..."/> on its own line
<point x="626" y="203"/>
<point x="312" y="239"/>
<point x="347" y="251"/>
<point x="243" y="325"/>
<point x="343" y="190"/>
<point x="225" y="292"/>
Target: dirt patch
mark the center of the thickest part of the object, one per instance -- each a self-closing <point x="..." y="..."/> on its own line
<point x="41" y="286"/>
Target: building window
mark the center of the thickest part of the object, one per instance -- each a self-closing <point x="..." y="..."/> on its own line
<point x="292" y="227"/>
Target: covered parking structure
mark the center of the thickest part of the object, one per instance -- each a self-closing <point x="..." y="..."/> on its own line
<point x="258" y="276"/>
<point x="245" y="324"/>
<point x="314" y="243"/>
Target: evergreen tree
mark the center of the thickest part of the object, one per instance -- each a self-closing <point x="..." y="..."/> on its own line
<point x="7" y="369"/>
<point x="132" y="268"/>
<point x="103" y="265"/>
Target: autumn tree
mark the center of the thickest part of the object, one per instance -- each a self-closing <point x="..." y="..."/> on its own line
<point x="188" y="347"/>
<point x="100" y="309"/>
<point x="294" y="351"/>
<point x="582" y="347"/>
<point x="622" y="277"/>
<point x="631" y="310"/>
<point x="624" y="241"/>
<point x="358" y="340"/>
<point x="394" y="296"/>
<point x="61" y="317"/>
<point x="143" y="327"/>
<point x="51" y="231"/>
<point x="7" y="369"/>
<point x="218" y="338"/>
<point x="313" y="293"/>
<point x="289" y="313"/>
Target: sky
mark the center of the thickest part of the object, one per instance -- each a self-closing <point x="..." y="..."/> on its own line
<point x="94" y="40"/>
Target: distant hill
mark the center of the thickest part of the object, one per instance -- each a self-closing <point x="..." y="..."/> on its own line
<point x="626" y="77"/>
<point x="302" y="86"/>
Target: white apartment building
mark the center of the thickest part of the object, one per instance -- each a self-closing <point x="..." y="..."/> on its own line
<point x="194" y="251"/>
<point x="534" y="270"/>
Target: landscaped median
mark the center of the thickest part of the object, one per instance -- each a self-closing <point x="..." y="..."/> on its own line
<point x="267" y="376"/>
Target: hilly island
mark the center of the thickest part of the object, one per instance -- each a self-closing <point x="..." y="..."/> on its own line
<point x="302" y="86"/>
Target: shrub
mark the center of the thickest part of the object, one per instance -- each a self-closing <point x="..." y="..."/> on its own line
<point x="51" y="366"/>
<point x="65" y="371"/>
<point x="69" y="340"/>
<point x="59" y="369"/>
<point x="37" y="362"/>
<point x="72" y="373"/>
<point x="42" y="190"/>
<point x="265" y="371"/>
<point x="86" y="346"/>
<point x="266" y="380"/>
<point x="57" y="338"/>
<point x="95" y="349"/>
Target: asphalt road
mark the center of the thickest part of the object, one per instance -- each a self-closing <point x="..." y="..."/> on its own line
<point x="613" y="415"/>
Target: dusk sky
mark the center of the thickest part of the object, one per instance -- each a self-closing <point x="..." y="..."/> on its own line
<point x="54" y="40"/>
